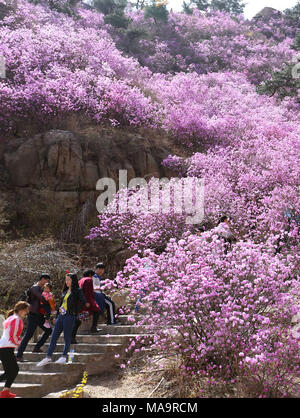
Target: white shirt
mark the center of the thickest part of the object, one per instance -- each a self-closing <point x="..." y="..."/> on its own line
<point x="97" y="284"/>
<point x="224" y="230"/>
<point x="12" y="329"/>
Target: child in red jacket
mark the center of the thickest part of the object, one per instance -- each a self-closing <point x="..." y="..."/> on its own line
<point x="12" y="329"/>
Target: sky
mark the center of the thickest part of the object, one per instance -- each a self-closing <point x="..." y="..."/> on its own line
<point x="252" y="6"/>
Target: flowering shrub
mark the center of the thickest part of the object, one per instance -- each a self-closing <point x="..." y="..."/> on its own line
<point x="67" y="68"/>
<point x="79" y="391"/>
<point x="212" y="42"/>
<point x="226" y="318"/>
<point x="56" y="64"/>
<point x="139" y="214"/>
<point x="250" y="168"/>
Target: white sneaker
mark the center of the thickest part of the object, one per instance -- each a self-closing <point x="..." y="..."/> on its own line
<point x="61" y="360"/>
<point x="45" y="361"/>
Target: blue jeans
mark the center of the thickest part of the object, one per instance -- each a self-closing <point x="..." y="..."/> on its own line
<point x="64" y="323"/>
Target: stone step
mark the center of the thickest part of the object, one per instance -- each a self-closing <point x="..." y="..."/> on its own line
<point x="112" y="330"/>
<point x="119" y="329"/>
<point x="44" y="378"/>
<point x="45" y="381"/>
<point x="127" y="319"/>
<point x="101" y="339"/>
<point x="50" y="367"/>
<point x="93" y="354"/>
<point x="78" y="357"/>
<point x="28" y="390"/>
<point x="79" y="348"/>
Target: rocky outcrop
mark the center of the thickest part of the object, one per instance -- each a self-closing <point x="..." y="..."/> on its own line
<point x="64" y="166"/>
<point x="48" y="182"/>
<point x="267" y="12"/>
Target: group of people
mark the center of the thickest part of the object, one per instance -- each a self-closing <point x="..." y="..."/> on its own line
<point x="79" y="298"/>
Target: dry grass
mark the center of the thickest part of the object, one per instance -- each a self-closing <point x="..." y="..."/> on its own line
<point x="22" y="261"/>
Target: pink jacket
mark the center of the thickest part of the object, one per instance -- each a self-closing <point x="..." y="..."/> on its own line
<point x="13" y="327"/>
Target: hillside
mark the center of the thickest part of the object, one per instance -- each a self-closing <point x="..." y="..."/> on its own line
<point x="204" y="96"/>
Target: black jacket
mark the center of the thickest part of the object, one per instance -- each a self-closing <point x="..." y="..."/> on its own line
<point x="36" y="299"/>
<point x="76" y="301"/>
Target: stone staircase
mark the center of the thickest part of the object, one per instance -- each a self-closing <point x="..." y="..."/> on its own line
<point x="94" y="354"/>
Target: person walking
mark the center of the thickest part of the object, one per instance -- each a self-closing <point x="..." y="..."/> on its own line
<point x="12" y="329"/>
<point x="35" y="318"/>
<point x="72" y="301"/>
<point x="86" y="284"/>
<point x="104" y="301"/>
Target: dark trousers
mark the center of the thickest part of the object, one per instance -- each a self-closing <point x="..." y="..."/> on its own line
<point x="77" y="324"/>
<point x="64" y="323"/>
<point x="34" y="321"/>
<point x="106" y="304"/>
<point x="47" y="309"/>
<point x="10" y="366"/>
<point x="110" y="310"/>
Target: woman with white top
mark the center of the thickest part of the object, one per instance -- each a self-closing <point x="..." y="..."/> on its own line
<point x="12" y="329"/>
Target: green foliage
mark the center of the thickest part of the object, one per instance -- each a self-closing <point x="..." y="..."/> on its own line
<point x="110" y="7"/>
<point x="186" y="8"/>
<point x="118" y="20"/>
<point x="230" y="6"/>
<point x="62" y="6"/>
<point x="159" y="14"/>
<point x="286" y="82"/>
<point x="139" y="4"/>
<point x="281" y="84"/>
<point x="294" y="12"/>
<point x="113" y="11"/>
<point x="296" y="44"/>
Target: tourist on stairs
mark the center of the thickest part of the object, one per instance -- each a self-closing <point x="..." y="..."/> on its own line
<point x="12" y="329"/>
<point x="71" y="303"/>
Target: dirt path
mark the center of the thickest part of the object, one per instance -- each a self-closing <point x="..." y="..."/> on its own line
<point x="118" y="385"/>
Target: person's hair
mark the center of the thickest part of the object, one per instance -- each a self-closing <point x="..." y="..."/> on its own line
<point x="48" y="285"/>
<point x="75" y="284"/>
<point x="44" y="276"/>
<point x="100" y="265"/>
<point x="19" y="306"/>
<point x="222" y="219"/>
<point x="89" y="273"/>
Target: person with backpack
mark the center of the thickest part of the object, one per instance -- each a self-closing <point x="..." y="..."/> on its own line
<point x="72" y="301"/>
<point x="35" y="318"/>
<point x="12" y="329"/>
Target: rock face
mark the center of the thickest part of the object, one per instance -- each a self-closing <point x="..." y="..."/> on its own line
<point x="64" y="166"/>
<point x="267" y="12"/>
<point x="4" y="10"/>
